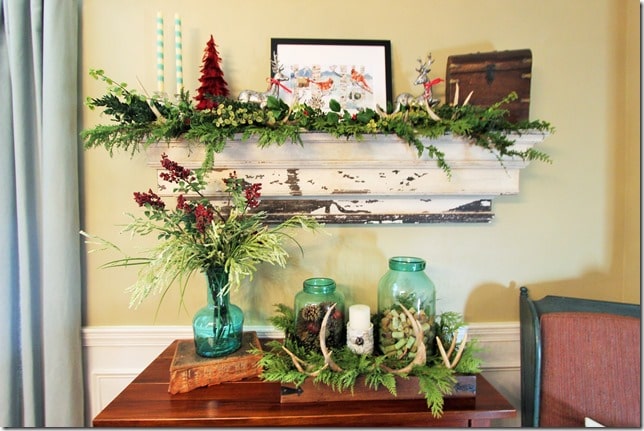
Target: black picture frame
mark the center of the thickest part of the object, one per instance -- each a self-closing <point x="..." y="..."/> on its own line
<point x="354" y="72"/>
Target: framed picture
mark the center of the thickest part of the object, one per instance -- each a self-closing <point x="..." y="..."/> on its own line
<point x="356" y="73"/>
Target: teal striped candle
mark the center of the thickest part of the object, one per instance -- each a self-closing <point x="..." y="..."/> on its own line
<point x="178" y="52"/>
<point x="160" y="71"/>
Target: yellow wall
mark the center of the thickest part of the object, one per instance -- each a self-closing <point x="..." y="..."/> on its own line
<point x="573" y="229"/>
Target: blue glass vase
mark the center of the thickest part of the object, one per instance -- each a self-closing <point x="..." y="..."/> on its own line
<point x="217" y="327"/>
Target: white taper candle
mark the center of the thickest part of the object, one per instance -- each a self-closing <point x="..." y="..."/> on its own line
<point x="159" y="51"/>
<point x="178" y="52"/>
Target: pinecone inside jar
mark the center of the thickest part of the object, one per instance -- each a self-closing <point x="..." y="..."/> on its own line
<point x="309" y="321"/>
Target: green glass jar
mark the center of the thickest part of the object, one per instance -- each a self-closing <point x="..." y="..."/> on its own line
<point x="311" y="304"/>
<point x="405" y="283"/>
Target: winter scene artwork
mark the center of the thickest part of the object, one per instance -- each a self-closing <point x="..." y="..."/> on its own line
<point x="354" y="73"/>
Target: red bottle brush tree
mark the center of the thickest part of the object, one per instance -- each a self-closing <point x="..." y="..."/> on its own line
<point x="212" y="78"/>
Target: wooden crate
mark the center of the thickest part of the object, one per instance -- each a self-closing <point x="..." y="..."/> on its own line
<point x="492" y="76"/>
<point x="406" y="389"/>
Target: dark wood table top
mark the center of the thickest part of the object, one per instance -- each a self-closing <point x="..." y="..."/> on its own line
<point x="253" y="402"/>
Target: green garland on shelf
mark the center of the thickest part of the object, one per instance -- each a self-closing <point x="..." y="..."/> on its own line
<point x="139" y="120"/>
<point x="435" y="379"/>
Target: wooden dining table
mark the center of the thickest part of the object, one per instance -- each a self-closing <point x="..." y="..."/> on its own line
<point x="252" y="402"/>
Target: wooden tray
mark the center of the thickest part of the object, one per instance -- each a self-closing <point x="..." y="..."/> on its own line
<point x="406" y="389"/>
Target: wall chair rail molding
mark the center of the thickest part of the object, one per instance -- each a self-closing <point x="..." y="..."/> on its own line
<point x="375" y="179"/>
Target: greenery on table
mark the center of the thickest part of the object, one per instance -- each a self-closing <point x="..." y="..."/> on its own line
<point x="435" y="379"/>
<point x="139" y="120"/>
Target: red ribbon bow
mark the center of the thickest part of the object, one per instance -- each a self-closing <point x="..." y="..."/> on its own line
<point x="279" y="84"/>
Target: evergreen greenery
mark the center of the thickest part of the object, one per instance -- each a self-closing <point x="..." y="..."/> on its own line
<point x="139" y="121"/>
<point x="197" y="236"/>
<point x="435" y="380"/>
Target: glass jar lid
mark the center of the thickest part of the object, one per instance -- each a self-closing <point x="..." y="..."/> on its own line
<point x="407" y="263"/>
<point x="319" y="285"/>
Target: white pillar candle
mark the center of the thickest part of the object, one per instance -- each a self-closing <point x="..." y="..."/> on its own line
<point x="159" y="51"/>
<point x="359" y="317"/>
<point x="178" y="52"/>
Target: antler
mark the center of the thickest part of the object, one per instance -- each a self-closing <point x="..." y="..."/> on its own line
<point x="421" y="353"/>
<point x="328" y="362"/>
<point x="430" y="111"/>
<point x="425" y="67"/>
<point x="154" y="109"/>
<point x="298" y="364"/>
<point x="446" y="356"/>
<point x="456" y="94"/>
<point x="325" y="351"/>
<point x="275" y="65"/>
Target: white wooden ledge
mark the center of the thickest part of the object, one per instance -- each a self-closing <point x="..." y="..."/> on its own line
<point x="379" y="179"/>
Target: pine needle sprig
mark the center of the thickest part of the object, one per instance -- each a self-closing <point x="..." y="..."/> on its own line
<point x="470" y="362"/>
<point x="284" y="319"/>
<point x="141" y="120"/>
<point x="435" y="382"/>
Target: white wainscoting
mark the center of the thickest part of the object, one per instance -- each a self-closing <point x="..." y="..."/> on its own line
<point x="115" y="355"/>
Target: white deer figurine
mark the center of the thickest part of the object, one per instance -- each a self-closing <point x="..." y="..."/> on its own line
<point x="274" y="85"/>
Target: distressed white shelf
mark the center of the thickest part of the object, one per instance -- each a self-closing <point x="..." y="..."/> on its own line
<point x="378" y="179"/>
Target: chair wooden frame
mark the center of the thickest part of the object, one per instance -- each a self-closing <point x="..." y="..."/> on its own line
<point x="530" y="312"/>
